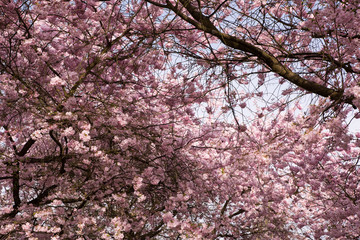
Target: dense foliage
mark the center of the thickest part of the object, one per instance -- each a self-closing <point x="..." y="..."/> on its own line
<point x="179" y="119"/>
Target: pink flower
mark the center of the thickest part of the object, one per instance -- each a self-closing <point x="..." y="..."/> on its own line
<point x="121" y="120"/>
<point x="138" y="183"/>
<point x="26" y="227"/>
<point x="5" y="210"/>
<point x="36" y="135"/>
<point x="56" y="81"/>
<point x="173" y="224"/>
<point x="84" y="136"/>
<point x="167" y="217"/>
<point x="69" y="132"/>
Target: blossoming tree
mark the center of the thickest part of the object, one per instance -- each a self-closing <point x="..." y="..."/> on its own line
<point x="164" y="119"/>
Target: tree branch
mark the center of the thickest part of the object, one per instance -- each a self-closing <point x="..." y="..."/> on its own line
<point x="36" y="202"/>
<point x="16" y="185"/>
<point x="203" y="23"/>
<point x="26" y="147"/>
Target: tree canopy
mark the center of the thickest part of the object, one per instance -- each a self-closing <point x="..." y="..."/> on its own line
<point x="179" y="119"/>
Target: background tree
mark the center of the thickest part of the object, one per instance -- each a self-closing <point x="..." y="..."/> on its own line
<point x="179" y="119"/>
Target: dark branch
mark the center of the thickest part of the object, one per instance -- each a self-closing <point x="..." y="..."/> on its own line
<point x="16" y="185"/>
<point x="47" y="159"/>
<point x="203" y="23"/>
<point x="26" y="147"/>
<point x="240" y="211"/>
<point x="56" y="141"/>
<point x="36" y="202"/>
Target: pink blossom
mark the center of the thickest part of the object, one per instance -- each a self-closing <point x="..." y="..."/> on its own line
<point x="56" y="81"/>
<point x="26" y="227"/>
<point x="167" y="217"/>
<point x="138" y="183"/>
<point x="36" y="135"/>
<point x="121" y="120"/>
<point x="84" y="136"/>
<point x="69" y="131"/>
<point x="133" y="119"/>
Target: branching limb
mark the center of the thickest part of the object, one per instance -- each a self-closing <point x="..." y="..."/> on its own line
<point x="202" y="22"/>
